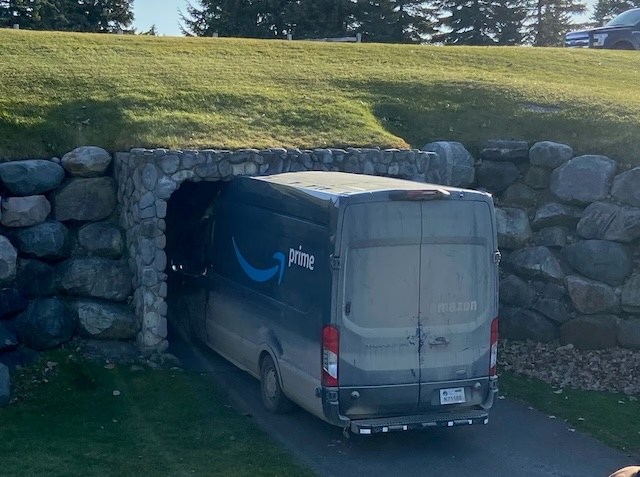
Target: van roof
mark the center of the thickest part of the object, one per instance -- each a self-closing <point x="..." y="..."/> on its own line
<point x="336" y="184"/>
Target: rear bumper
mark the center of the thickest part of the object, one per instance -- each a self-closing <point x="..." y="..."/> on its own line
<point x="423" y="421"/>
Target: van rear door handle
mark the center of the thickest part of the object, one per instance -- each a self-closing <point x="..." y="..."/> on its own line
<point x="439" y="341"/>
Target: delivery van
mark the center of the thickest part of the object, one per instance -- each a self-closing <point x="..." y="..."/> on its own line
<point x="370" y="302"/>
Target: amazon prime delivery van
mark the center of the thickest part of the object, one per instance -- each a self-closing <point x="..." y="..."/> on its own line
<point x="370" y="302"/>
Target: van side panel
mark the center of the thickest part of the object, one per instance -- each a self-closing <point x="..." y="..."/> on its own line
<point x="271" y="290"/>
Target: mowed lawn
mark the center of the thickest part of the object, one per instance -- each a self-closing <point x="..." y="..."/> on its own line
<point x="91" y="421"/>
<point x="61" y="90"/>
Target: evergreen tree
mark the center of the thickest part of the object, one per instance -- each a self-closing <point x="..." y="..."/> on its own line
<point x="467" y="22"/>
<point x="395" y="21"/>
<point x="605" y="10"/>
<point x="509" y="22"/>
<point x="552" y="19"/>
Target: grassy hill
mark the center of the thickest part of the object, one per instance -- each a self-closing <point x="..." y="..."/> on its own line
<point x="60" y="90"/>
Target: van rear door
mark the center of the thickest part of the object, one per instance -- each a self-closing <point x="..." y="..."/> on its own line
<point x="379" y="367"/>
<point x="457" y="301"/>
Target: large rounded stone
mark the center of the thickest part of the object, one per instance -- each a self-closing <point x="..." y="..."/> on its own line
<point x="631" y="295"/>
<point x="520" y="325"/>
<point x="515" y="291"/>
<point x="625" y="187"/>
<point x="5" y="386"/>
<point x="31" y="177"/>
<point x="537" y="178"/>
<point x="25" y="211"/>
<point x="8" y="259"/>
<point x="103" y="320"/>
<point x="46" y="324"/>
<point x="8" y="339"/>
<point x="12" y="302"/>
<point x="536" y="262"/>
<point x="101" y="239"/>
<point x="455" y="154"/>
<point x="583" y="179"/>
<point x="603" y="220"/>
<point x="629" y="333"/>
<point x="590" y="332"/>
<point x="601" y="260"/>
<point x="496" y="176"/>
<point x="552" y="309"/>
<point x="96" y="277"/>
<point x="85" y="199"/>
<point x="36" y="278"/>
<point x="505" y="150"/>
<point x="549" y="154"/>
<point x="590" y="297"/>
<point x="513" y="228"/>
<point x="87" y="161"/>
<point x="49" y="239"/>
<point x="551" y="237"/>
<point x="519" y="195"/>
<point x="554" y="214"/>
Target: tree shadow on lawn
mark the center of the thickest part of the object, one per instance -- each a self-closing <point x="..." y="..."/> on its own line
<point x="472" y="113"/>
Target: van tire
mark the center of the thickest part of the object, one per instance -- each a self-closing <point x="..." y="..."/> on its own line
<point x="272" y="395"/>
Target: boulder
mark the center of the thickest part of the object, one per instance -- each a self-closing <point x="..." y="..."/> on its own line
<point x="520" y="325"/>
<point x="12" y="302"/>
<point x="8" y="339"/>
<point x="496" y="176"/>
<point x="36" y="278"/>
<point x="5" y="385"/>
<point x="590" y="297"/>
<point x="24" y="211"/>
<point x="583" y="179"/>
<point x="603" y="220"/>
<point x="8" y="258"/>
<point x="552" y="309"/>
<point x="101" y="239"/>
<point x="505" y="150"/>
<point x="85" y="199"/>
<point x="537" y="262"/>
<point x="96" y="277"/>
<point x="515" y="291"/>
<point x="629" y="333"/>
<point x="20" y="356"/>
<point x="590" y="332"/>
<point x="455" y="154"/>
<point x="103" y="320"/>
<point x="631" y="295"/>
<point x="86" y="161"/>
<point x="49" y="239"/>
<point x="625" y="187"/>
<point x="45" y="324"/>
<point x="31" y="177"/>
<point x="551" y="237"/>
<point x="513" y="228"/>
<point x="537" y="178"/>
<point x="553" y="290"/>
<point x="550" y="154"/>
<point x="519" y="195"/>
<point x="554" y="214"/>
<point x="608" y="262"/>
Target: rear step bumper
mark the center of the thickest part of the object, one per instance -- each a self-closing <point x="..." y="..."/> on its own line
<point x="423" y="421"/>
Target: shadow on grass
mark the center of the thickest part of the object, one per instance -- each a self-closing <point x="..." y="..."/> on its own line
<point x="473" y="113"/>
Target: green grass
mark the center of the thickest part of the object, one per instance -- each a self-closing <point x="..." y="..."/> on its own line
<point x="164" y="423"/>
<point x="611" y="418"/>
<point x="61" y="90"/>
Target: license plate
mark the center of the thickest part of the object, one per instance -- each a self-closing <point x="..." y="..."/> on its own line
<point x="452" y="396"/>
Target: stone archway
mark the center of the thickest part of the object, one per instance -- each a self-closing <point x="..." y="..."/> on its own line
<point x="148" y="178"/>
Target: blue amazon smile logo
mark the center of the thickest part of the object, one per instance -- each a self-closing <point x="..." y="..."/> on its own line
<point x="260" y="275"/>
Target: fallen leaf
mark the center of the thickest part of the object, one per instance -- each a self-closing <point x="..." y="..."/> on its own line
<point x="116" y="393"/>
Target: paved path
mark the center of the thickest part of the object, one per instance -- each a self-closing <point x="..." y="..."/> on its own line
<point x="518" y="442"/>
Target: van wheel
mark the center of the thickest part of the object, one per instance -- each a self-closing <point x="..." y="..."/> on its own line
<point x="272" y="396"/>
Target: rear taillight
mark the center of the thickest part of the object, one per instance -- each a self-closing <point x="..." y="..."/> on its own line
<point x="494" y="347"/>
<point x="330" y="353"/>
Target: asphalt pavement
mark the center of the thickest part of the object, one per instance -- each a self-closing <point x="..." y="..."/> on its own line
<point x="518" y="441"/>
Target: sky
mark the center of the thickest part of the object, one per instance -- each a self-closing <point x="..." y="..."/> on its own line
<point x="164" y="14"/>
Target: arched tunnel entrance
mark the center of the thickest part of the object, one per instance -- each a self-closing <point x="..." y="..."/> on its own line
<point x="188" y="236"/>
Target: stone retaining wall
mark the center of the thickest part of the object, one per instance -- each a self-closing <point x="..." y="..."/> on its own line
<point x="82" y="240"/>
